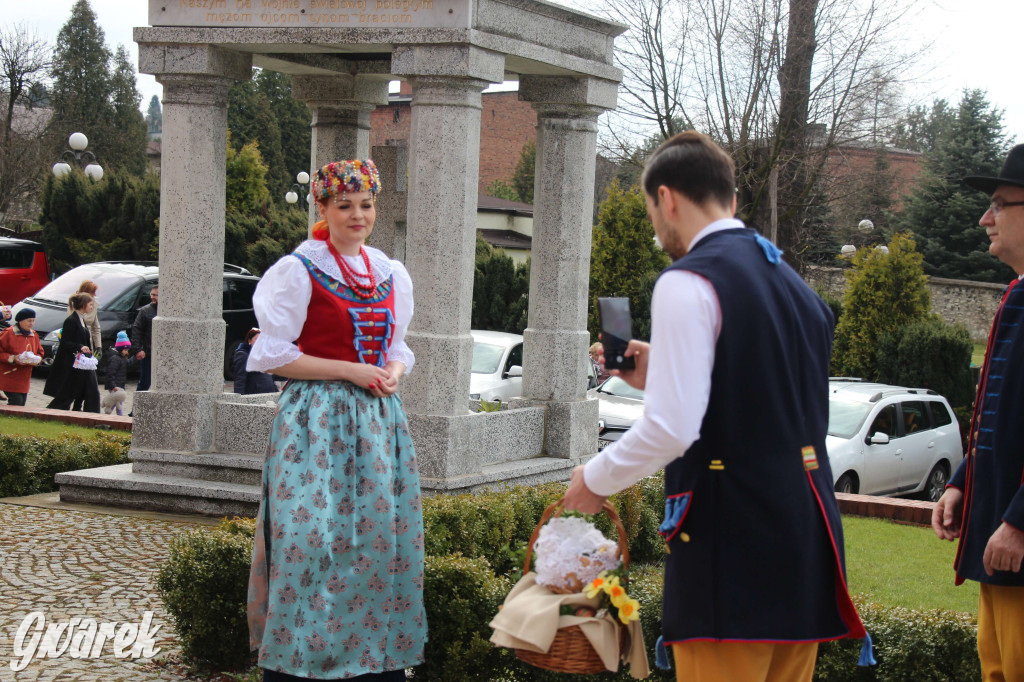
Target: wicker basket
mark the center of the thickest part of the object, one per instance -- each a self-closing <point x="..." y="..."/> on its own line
<point x="571" y="651"/>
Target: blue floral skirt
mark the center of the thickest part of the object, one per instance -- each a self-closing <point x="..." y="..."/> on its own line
<point x="336" y="586"/>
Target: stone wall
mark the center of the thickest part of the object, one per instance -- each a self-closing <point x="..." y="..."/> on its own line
<point x="971" y="304"/>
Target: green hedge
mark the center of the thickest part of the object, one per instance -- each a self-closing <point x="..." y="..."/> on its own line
<point x="468" y="536"/>
<point x="929" y="353"/>
<point x="28" y="464"/>
<point x="204" y="584"/>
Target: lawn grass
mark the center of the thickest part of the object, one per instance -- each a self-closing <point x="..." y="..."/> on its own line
<point x="978" y="354"/>
<point x="899" y="565"/>
<point x="18" y="426"/>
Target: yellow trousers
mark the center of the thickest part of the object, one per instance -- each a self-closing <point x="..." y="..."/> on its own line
<point x="1001" y="633"/>
<point x="744" y="661"/>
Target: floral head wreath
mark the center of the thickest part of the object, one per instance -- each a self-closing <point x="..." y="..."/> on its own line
<point x="340" y="177"/>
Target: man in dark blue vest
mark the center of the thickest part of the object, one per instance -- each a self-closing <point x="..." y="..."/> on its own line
<point x="984" y="502"/>
<point x="736" y="394"/>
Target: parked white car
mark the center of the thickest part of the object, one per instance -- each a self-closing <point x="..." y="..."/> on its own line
<point x="890" y="440"/>
<point x="619" y="406"/>
<point x="497" y="373"/>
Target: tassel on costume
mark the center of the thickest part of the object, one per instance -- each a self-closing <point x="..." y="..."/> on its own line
<point x="867" y="656"/>
<point x="661" y="655"/>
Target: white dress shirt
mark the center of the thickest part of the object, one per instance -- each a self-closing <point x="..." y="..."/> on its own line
<point x="283" y="294"/>
<point x="685" y="324"/>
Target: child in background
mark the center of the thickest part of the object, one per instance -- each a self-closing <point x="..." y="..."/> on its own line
<point x="118" y="362"/>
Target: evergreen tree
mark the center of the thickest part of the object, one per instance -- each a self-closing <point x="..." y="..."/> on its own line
<point x="81" y="91"/>
<point x="246" y="184"/>
<point x="501" y="292"/>
<point x="884" y="292"/>
<point x="624" y="259"/>
<point x="942" y="211"/>
<point x="921" y="128"/>
<point x="500" y="189"/>
<point x="293" y="123"/>
<point x="523" y="177"/>
<point x="154" y="117"/>
<point x="251" y="119"/>
<point x="126" y="149"/>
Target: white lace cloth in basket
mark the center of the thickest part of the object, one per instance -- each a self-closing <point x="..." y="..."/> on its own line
<point x="571" y="552"/>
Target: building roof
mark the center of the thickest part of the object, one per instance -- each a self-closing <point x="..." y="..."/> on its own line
<point x="496" y="205"/>
<point x="506" y="239"/>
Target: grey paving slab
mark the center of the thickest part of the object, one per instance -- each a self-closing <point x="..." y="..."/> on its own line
<point x="67" y="564"/>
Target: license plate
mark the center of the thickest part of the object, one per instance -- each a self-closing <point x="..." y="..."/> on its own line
<point x="602" y="444"/>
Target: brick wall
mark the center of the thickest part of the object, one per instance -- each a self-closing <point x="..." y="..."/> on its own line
<point x="506" y="124"/>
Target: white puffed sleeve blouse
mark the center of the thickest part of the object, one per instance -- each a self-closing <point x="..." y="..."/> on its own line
<point x="283" y="294"/>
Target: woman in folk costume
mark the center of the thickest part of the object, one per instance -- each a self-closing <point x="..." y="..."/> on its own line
<point x="335" y="590"/>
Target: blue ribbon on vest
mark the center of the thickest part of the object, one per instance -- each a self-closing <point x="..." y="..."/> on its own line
<point x="867" y="656"/>
<point x="771" y="252"/>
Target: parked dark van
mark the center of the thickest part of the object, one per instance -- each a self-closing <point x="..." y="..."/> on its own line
<point x="24" y="269"/>
<point x="122" y="288"/>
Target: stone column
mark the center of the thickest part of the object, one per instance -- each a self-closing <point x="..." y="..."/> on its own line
<point x="556" y="338"/>
<point x="188" y="332"/>
<point x="444" y="161"/>
<point x="341" y="106"/>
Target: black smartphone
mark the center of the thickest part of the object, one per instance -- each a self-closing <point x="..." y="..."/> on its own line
<point x="616" y="331"/>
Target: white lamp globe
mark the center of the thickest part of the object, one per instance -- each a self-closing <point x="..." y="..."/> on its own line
<point x="60" y="169"/>
<point x="94" y="171"/>
<point x="291" y="197"/>
<point x="848" y="250"/>
<point x="309" y="198"/>
<point x="302" y="177"/>
<point x="883" y="248"/>
<point x="865" y="226"/>
<point x="78" y="141"/>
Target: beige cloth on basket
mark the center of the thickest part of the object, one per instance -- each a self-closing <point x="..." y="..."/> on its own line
<point x="529" y="620"/>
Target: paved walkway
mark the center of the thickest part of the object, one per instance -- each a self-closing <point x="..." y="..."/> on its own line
<point x="66" y="562"/>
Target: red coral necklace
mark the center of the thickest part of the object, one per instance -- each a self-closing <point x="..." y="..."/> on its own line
<point x="363" y="285"/>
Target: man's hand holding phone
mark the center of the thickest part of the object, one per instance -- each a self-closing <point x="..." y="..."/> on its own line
<point x="636" y="377"/>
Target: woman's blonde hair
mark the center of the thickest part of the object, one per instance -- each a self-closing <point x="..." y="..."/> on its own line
<point x="80" y="300"/>
<point x="596" y="346"/>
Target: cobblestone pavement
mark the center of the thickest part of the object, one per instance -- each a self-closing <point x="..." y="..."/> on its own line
<point x="69" y="564"/>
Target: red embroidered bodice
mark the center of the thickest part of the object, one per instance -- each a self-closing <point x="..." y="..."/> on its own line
<point x="341" y="326"/>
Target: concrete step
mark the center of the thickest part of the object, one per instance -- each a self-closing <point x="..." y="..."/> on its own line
<point x="119" y="486"/>
<point x="243" y="469"/>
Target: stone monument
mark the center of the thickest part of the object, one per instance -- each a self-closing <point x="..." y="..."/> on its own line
<point x="195" y="447"/>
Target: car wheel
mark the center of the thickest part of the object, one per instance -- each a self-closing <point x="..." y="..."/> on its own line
<point x="846" y="484"/>
<point x="935" y="486"/>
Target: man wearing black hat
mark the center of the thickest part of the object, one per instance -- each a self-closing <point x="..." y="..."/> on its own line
<point x="20" y="349"/>
<point x="983" y="505"/>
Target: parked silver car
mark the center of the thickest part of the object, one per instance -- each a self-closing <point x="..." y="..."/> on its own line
<point x="497" y="372"/>
<point x="619" y="406"/>
<point x="890" y="440"/>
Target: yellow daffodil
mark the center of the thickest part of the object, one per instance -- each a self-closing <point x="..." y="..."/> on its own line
<point x="629" y="610"/>
<point x="616" y="593"/>
<point x="596" y="586"/>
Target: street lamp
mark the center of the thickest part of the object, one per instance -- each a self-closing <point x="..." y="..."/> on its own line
<point x="78" y="143"/>
<point x="864" y="227"/>
<point x="299" y="190"/>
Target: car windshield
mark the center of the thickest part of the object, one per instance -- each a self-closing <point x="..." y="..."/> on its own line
<point x="845" y="418"/>
<point x="109" y="284"/>
<point x="486" y="357"/>
<point x="616" y="386"/>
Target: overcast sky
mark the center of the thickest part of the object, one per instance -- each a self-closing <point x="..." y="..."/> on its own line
<point x="976" y="45"/>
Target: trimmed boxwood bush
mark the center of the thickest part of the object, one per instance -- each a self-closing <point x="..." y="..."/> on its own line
<point x="204" y="584"/>
<point x="929" y="353"/>
<point x="204" y="587"/>
<point x="28" y="464"/>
